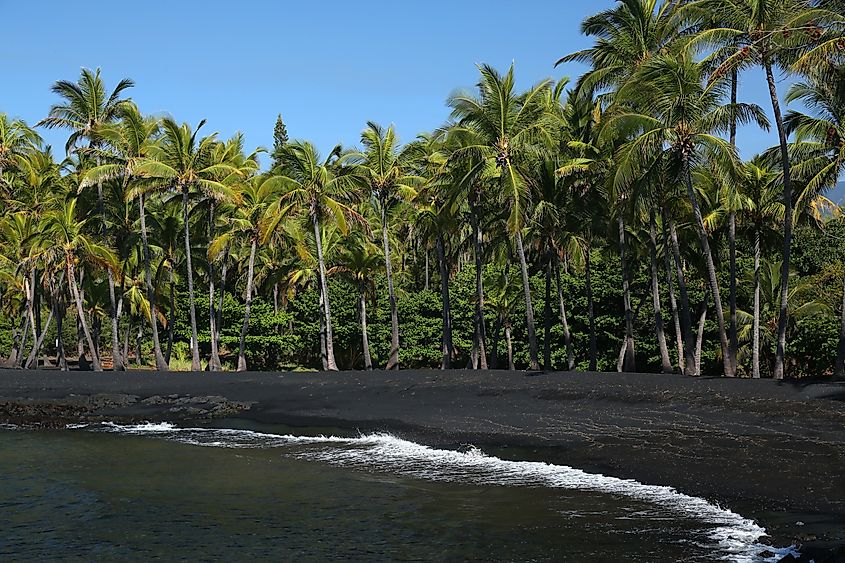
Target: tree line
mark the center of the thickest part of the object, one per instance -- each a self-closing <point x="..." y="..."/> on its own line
<point x="154" y="228"/>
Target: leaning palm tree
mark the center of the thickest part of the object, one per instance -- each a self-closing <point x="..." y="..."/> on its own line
<point x="321" y="190"/>
<point x="63" y="236"/>
<point x="504" y="128"/>
<point x="678" y="115"/>
<point x="820" y="146"/>
<point x="184" y="163"/>
<point x="85" y="109"/>
<point x="386" y="171"/>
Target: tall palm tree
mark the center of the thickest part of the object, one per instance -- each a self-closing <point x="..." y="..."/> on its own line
<point x="387" y="172"/>
<point x="322" y="190"/>
<point x="184" y="163"/>
<point x="17" y="140"/>
<point x="504" y="128"/>
<point x="85" y="109"/>
<point x="766" y="33"/>
<point x="679" y="115"/>
<point x="131" y="141"/>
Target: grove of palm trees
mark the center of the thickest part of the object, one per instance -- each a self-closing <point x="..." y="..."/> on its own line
<point x="603" y="223"/>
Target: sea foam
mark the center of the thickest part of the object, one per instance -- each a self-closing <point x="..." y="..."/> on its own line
<point x="731" y="536"/>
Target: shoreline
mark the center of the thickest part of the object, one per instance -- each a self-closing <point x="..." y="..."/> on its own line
<point x="773" y="451"/>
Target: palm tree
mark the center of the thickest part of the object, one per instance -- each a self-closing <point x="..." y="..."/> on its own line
<point x="387" y="173"/>
<point x="504" y="128"/>
<point x="63" y="236"/>
<point x="131" y="141"/>
<point x="321" y="190"/>
<point x="820" y="146"/>
<point x="679" y="115"/>
<point x="766" y="33"/>
<point x="359" y="261"/>
<point x="17" y="140"/>
<point x="85" y="110"/>
<point x="185" y="163"/>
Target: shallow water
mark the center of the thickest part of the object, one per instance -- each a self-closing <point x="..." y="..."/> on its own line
<point x="134" y="493"/>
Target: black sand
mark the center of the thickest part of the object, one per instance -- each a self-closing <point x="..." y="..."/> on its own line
<point x="772" y="451"/>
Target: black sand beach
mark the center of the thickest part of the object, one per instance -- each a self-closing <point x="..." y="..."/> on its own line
<point x="769" y="450"/>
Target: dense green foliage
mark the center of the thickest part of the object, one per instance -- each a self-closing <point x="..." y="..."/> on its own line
<point x="605" y="225"/>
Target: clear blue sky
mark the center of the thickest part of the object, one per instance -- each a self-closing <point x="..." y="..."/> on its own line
<point x="327" y="67"/>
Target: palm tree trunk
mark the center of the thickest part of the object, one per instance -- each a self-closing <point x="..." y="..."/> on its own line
<point x="161" y="364"/>
<point x="780" y="354"/>
<point x="426" y="269"/>
<point x="365" y="339"/>
<point x="839" y="368"/>
<point x="117" y="361"/>
<point x="547" y="318"/>
<point x="529" y="309"/>
<point x="509" y="341"/>
<point x="591" y="315"/>
<point x="699" y="339"/>
<point x="629" y="362"/>
<point x="448" y="347"/>
<point x="36" y="348"/>
<point x="330" y="361"/>
<point x="755" y="326"/>
<point x="673" y="304"/>
<point x="139" y="360"/>
<point x="126" y="334"/>
<point x="393" y="360"/>
<point x="711" y="274"/>
<point x="686" y="318"/>
<point x="665" y="362"/>
<point x="732" y="336"/>
<point x="80" y="310"/>
<point x="219" y="313"/>
<point x="479" y="344"/>
<point x="214" y="357"/>
<point x="494" y="343"/>
<point x="247" y="306"/>
<point x="189" y="270"/>
<point x="567" y="336"/>
<point x="171" y="313"/>
<point x="322" y="315"/>
<point x="61" y="359"/>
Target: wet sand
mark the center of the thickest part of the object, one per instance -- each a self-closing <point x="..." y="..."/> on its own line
<point x="774" y="451"/>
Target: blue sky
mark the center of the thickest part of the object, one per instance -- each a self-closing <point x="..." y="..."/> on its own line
<point x="327" y="67"/>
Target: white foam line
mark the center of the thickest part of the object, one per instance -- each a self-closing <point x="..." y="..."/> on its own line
<point x="733" y="535"/>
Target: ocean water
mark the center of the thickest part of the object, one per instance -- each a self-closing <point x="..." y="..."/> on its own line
<point x="114" y="493"/>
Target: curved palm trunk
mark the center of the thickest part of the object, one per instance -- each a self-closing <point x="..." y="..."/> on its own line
<point x="778" y="372"/>
<point x="214" y="357"/>
<point x="448" y="347"/>
<point x="839" y="368"/>
<point x="479" y="349"/>
<point x="711" y="274"/>
<point x="161" y="364"/>
<point x="189" y="270"/>
<point x="755" y="327"/>
<point x="665" y="362"/>
<point x="61" y="359"/>
<point x="686" y="319"/>
<point x="80" y="310"/>
<point x="673" y="304"/>
<point x="331" y="364"/>
<point x="171" y="312"/>
<point x="629" y="362"/>
<point x="529" y="309"/>
<point x="247" y="306"/>
<point x="591" y="315"/>
<point x="393" y="360"/>
<point x="365" y="339"/>
<point x="219" y="313"/>
<point x="567" y="336"/>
